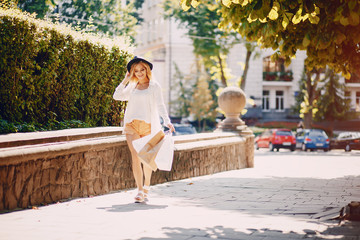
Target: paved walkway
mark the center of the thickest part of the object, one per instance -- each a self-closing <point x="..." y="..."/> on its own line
<point x="286" y="196"/>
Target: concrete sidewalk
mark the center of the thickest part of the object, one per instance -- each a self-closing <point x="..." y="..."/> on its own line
<point x="286" y="196"/>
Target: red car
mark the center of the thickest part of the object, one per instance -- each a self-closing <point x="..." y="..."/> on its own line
<point x="276" y="139"/>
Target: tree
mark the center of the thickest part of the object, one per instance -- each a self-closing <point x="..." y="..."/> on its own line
<point x="40" y="7"/>
<point x="321" y="103"/>
<point x="311" y="95"/>
<point x="182" y="91"/>
<point x="299" y="98"/>
<point x="250" y="48"/>
<point x="106" y="16"/>
<point x="202" y="106"/>
<point x="211" y="43"/>
<point x="331" y="104"/>
<point x="137" y="4"/>
<point x="329" y="31"/>
<point x="101" y="16"/>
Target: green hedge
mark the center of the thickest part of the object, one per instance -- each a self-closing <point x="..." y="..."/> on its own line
<point x="50" y="73"/>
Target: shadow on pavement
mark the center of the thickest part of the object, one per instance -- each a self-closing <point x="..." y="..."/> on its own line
<point x="219" y="232"/>
<point x="303" y="198"/>
<point x="131" y="207"/>
<point x="265" y="196"/>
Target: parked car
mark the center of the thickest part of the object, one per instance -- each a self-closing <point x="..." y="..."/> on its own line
<point x="276" y="139"/>
<point x="183" y="129"/>
<point x="312" y="139"/>
<point x="347" y="141"/>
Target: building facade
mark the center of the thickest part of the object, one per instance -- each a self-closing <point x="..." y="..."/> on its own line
<point x="271" y="85"/>
<point x="165" y="44"/>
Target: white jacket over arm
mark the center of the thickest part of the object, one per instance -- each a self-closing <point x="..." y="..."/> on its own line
<point x="122" y="92"/>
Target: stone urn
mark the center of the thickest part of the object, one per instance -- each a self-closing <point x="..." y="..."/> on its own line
<point x="232" y="101"/>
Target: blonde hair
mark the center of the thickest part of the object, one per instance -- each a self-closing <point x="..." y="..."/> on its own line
<point x="132" y="71"/>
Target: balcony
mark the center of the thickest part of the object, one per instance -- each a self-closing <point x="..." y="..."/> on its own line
<point x="278" y="76"/>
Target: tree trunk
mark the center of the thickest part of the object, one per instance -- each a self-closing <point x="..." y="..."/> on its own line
<point x="204" y="125"/>
<point x="223" y="79"/>
<point x="246" y="68"/>
<point x="308" y="119"/>
<point x="311" y="88"/>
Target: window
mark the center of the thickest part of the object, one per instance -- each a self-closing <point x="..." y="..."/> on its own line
<point x="279" y="101"/>
<point x="357" y="102"/>
<point x="276" y="70"/>
<point x="266" y="100"/>
<point x="271" y="66"/>
<point x="284" y="133"/>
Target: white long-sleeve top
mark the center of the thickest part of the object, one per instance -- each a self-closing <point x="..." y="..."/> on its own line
<point x="137" y="107"/>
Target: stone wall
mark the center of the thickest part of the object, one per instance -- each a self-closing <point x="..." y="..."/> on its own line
<point x="49" y="172"/>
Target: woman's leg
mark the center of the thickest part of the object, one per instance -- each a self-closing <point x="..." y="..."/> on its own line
<point x="147" y="172"/>
<point x="146" y="130"/>
<point x="136" y="164"/>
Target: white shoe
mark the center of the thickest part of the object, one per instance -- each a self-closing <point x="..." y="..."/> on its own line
<point x="139" y="198"/>
<point x="147" y="189"/>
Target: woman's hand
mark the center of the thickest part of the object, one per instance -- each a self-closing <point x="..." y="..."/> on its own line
<point x="171" y="127"/>
<point x="126" y="79"/>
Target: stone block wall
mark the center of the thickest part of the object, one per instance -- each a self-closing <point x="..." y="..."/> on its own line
<point x="35" y="175"/>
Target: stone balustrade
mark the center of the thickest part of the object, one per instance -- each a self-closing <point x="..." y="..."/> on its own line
<point x="46" y="167"/>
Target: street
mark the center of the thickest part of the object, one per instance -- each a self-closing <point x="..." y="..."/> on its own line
<point x="287" y="195"/>
<point x="316" y="164"/>
<point x="334" y="153"/>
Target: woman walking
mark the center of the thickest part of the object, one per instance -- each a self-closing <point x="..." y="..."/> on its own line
<point x="142" y="115"/>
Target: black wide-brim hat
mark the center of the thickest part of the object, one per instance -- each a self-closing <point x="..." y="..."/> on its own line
<point x="138" y="59"/>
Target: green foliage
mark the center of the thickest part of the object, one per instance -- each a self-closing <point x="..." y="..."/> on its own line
<point x="209" y="42"/>
<point x="56" y="125"/>
<point x="321" y="103"/>
<point x="181" y="90"/>
<point x="331" y="104"/>
<point x="300" y="97"/>
<point x="25" y="127"/>
<point x="327" y="30"/>
<point x="309" y="105"/>
<point x="40" y="7"/>
<point x="203" y="104"/>
<point x="51" y="74"/>
<point x="104" y="16"/>
<point x="7" y="4"/>
<point x="6" y="127"/>
<point x="99" y="16"/>
<point x="137" y="5"/>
